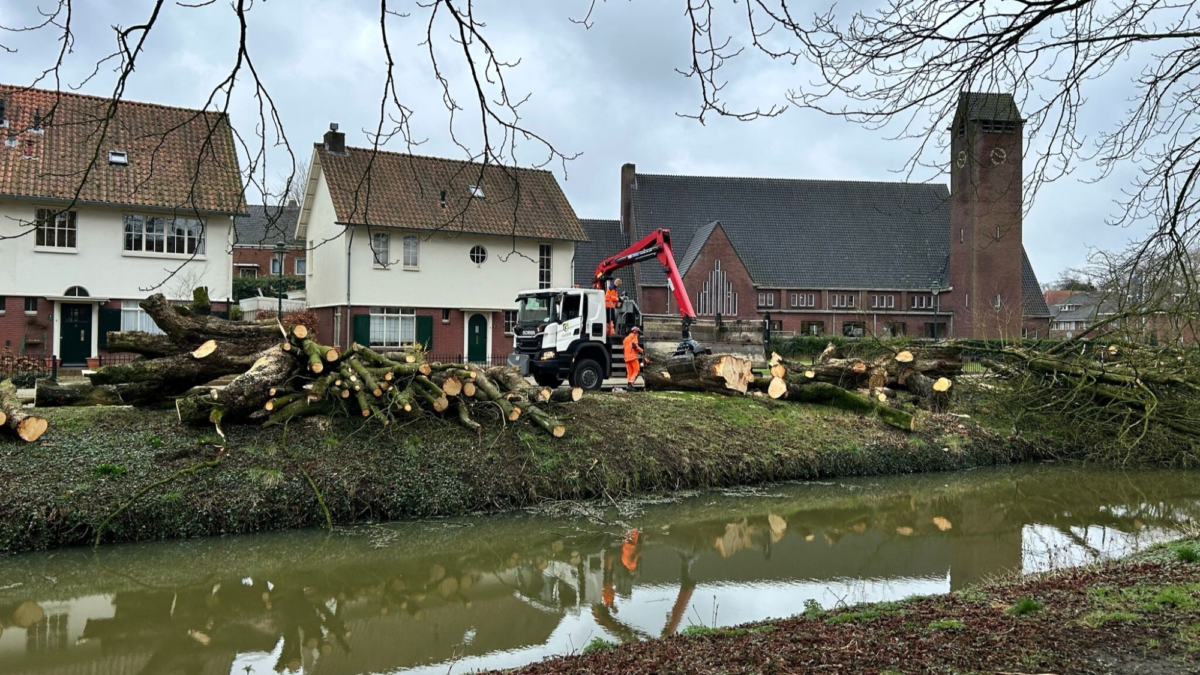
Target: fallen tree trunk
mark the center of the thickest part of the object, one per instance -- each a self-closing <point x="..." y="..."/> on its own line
<point x="827" y="394"/>
<point x="15" y="420"/>
<point x="138" y="342"/>
<point x="51" y="394"/>
<point x="189" y="332"/>
<point x="166" y="377"/>
<point x="716" y="373"/>
<point x="246" y="394"/>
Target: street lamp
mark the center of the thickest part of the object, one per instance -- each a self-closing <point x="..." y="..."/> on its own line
<point x="936" y="289"/>
<point x="280" y="252"/>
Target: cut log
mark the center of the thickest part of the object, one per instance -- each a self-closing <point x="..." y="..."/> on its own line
<point x="545" y="421"/>
<point x="205" y="349"/>
<point x="714" y="373"/>
<point x="566" y="395"/>
<point x="830" y="353"/>
<point x="777" y="388"/>
<point x="827" y="394"/>
<point x="904" y="356"/>
<point x="464" y="418"/>
<point x="244" y="395"/>
<point x="50" y="394"/>
<point x="201" y="305"/>
<point x="930" y="393"/>
<point x="300" y="331"/>
<point x="138" y="342"/>
<point x="163" y="378"/>
<point x="17" y="422"/>
<point x="191" y="331"/>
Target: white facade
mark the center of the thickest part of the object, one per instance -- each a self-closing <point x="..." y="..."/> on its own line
<point x="100" y="264"/>
<point x="445" y="275"/>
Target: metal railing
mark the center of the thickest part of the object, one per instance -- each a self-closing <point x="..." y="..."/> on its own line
<point x="116" y="359"/>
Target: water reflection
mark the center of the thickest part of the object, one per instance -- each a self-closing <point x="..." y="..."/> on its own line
<point x="501" y="591"/>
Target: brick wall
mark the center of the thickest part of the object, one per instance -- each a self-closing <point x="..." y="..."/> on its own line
<point x="14" y="323"/>
<point x="718" y="249"/>
<point x="262" y="257"/>
<point x="449" y="337"/>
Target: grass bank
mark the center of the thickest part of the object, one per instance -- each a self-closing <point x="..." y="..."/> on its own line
<point x="1140" y="616"/>
<point x="58" y="491"/>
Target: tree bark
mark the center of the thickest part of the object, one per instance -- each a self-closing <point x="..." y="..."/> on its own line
<point x="189" y="332"/>
<point x="170" y="376"/>
<point x="717" y="373"/>
<point x="244" y="395"/>
<point x="138" y="342"/>
<point x="51" y="394"/>
<point x="827" y="394"/>
<point x="17" y="422"/>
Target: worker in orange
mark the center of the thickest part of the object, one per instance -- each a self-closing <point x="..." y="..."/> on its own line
<point x="612" y="298"/>
<point x="633" y="354"/>
<point x="630" y="555"/>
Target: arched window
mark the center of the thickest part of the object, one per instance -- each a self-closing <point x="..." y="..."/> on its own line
<point x="76" y="292"/>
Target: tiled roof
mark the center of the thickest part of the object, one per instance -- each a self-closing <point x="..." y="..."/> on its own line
<point x="1087" y="305"/>
<point x="1055" y="297"/>
<point x="398" y="190"/>
<point x="992" y="107"/>
<point x="605" y="239"/>
<point x="812" y="233"/>
<point x="806" y="233"/>
<point x="699" y="239"/>
<point x="265" y="225"/>
<point x="177" y="158"/>
<point x="1033" y="303"/>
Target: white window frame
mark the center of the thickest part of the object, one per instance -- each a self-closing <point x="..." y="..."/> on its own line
<point x="412" y="245"/>
<point x="387" y="322"/>
<point x="3" y="304"/>
<point x="276" y="265"/>
<point x="883" y="302"/>
<point x="510" y="322"/>
<point x="167" y="242"/>
<point x="133" y="317"/>
<point x="545" y="266"/>
<point x="445" y="315"/>
<point x="297" y="264"/>
<point x="34" y="311"/>
<point x="377" y="260"/>
<point x="253" y="272"/>
<point x="65" y="227"/>
<point x="997" y="303"/>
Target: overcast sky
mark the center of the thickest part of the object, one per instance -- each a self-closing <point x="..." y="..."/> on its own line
<point x="610" y="93"/>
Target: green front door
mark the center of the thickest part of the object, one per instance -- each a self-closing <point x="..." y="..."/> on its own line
<point x="75" y="336"/>
<point x="477" y="338"/>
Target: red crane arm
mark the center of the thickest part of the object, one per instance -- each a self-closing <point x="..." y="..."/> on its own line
<point x="657" y="244"/>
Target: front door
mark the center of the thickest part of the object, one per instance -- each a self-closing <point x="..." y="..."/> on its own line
<point x="75" y="336"/>
<point x="477" y="338"/>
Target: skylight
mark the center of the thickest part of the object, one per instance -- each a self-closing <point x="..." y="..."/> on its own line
<point x="118" y="158"/>
<point x="476" y="191"/>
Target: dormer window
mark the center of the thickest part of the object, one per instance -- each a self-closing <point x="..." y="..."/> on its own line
<point x="476" y="191"/>
<point x="10" y="140"/>
<point x="118" y="158"/>
<point x="37" y="123"/>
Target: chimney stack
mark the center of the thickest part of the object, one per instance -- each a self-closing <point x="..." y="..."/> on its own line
<point x="335" y="141"/>
<point x="628" y="181"/>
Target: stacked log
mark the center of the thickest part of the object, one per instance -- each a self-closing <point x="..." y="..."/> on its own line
<point x="14" y="420"/>
<point x="927" y="374"/>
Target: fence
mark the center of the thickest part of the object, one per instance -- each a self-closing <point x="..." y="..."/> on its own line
<point x="24" y="375"/>
<point x="116" y="359"/>
<point x="253" y="307"/>
<point x="493" y="360"/>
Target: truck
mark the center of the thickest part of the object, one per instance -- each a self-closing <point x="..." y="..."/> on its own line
<point x="564" y="334"/>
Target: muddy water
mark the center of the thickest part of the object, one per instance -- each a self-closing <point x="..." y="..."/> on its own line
<point x="505" y="590"/>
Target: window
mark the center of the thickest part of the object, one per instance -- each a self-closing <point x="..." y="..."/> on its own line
<point x="445" y="316"/>
<point x="812" y="327"/>
<point x="76" y="292"/>
<point x="921" y="301"/>
<point x="997" y="126"/>
<point x="157" y="234"/>
<point x="572" y="307"/>
<point x="393" y="327"/>
<point x="545" y="258"/>
<point x="3" y="300"/>
<point x="381" y="244"/>
<point x="842" y="300"/>
<point x="962" y="233"/>
<point x="766" y="299"/>
<point x="854" y="329"/>
<point x="118" y="158"/>
<point x="935" y="331"/>
<point x="276" y="265"/>
<point x="31" y="305"/>
<point x="476" y="191"/>
<point x="55" y="229"/>
<point x="301" y="266"/>
<point x="804" y="300"/>
<point x="510" y="321"/>
<point x="894" y="329"/>
<point x="412" y="252"/>
<point x="883" y="301"/>
<point x="337" y="326"/>
<point x="478" y="254"/>
<point x="996" y="301"/>
<point x="133" y="317"/>
<point x="251" y="272"/>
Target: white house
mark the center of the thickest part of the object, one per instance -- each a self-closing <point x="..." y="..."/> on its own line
<point x="406" y="249"/>
<point x="97" y="213"/>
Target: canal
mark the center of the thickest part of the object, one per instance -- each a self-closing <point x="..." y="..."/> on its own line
<point x="501" y="591"/>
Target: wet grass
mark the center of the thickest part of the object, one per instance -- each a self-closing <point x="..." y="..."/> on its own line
<point x="92" y="460"/>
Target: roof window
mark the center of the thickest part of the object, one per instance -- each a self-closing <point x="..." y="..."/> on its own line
<point x="10" y="141"/>
<point x="118" y="158"/>
<point x="476" y="191"/>
<point x="37" y="123"/>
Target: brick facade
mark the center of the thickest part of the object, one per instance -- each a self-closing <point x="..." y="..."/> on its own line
<point x="719" y="263"/>
<point x="261" y="259"/>
<point x="449" y="337"/>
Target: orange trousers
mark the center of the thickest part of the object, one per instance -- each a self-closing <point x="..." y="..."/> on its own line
<point x="632" y="368"/>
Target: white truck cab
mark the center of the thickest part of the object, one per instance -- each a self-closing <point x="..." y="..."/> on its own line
<point x="562" y="334"/>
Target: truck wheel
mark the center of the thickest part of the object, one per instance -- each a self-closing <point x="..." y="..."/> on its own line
<point x="587" y="375"/>
<point x="547" y="381"/>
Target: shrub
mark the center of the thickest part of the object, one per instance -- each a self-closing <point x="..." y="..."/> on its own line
<point x="598" y="645"/>
<point x="307" y="318"/>
<point x="1187" y="553"/>
<point x="1025" y="606"/>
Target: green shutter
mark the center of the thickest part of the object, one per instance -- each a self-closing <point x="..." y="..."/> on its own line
<point x="362" y="329"/>
<point x="425" y="332"/>
<point x="110" y="320"/>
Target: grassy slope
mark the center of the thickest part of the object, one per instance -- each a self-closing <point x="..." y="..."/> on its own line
<point x="57" y="491"/>
<point x="1137" y="616"/>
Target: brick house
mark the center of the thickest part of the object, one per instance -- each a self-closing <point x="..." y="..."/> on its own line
<point x="160" y="188"/>
<point x="846" y="257"/>
<point x="256" y="233"/>
<point x="406" y="249"/>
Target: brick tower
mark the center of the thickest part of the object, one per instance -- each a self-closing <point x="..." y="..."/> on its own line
<point x="985" y="217"/>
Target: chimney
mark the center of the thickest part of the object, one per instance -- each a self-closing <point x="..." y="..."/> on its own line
<point x="3" y="119"/>
<point x="335" y="141"/>
<point x="628" y="180"/>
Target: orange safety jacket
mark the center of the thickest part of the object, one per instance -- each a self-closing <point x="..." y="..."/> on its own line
<point x="632" y="349"/>
<point x="611" y="298"/>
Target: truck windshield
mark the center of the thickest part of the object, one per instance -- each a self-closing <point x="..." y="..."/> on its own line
<point x="535" y="309"/>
